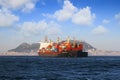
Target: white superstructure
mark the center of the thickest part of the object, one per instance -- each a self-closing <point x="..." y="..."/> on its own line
<point x="44" y="45"/>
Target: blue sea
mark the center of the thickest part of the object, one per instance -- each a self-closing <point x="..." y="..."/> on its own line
<point x="37" y="68"/>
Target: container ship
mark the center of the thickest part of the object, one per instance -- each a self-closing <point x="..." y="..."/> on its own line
<point x="61" y="49"/>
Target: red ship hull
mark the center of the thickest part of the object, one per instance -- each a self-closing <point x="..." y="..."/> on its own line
<point x="62" y="49"/>
<point x="65" y="54"/>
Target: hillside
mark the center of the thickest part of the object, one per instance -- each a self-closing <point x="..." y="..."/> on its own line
<point x="25" y="47"/>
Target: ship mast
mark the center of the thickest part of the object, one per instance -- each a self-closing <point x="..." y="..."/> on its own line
<point x="68" y="40"/>
<point x="74" y="41"/>
<point x="46" y="39"/>
<point x="58" y="40"/>
<point x="51" y="42"/>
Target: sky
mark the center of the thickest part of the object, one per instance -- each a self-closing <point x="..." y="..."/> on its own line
<point x="94" y="21"/>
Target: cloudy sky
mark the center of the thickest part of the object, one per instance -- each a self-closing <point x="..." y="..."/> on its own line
<point x="95" y="21"/>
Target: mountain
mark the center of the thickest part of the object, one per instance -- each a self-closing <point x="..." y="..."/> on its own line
<point x="87" y="46"/>
<point x="25" y="47"/>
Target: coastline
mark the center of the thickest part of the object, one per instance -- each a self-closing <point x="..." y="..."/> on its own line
<point x="103" y="53"/>
<point x="18" y="54"/>
<point x="90" y="53"/>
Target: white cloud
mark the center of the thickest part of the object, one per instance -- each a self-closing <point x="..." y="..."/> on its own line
<point x="66" y="12"/>
<point x="7" y="19"/>
<point x="105" y="21"/>
<point x="117" y="16"/>
<point x="54" y="29"/>
<point x="99" y="30"/>
<point x="47" y="15"/>
<point x="18" y="4"/>
<point x="28" y="7"/>
<point x="31" y="28"/>
<point x="83" y="17"/>
<point x="41" y="27"/>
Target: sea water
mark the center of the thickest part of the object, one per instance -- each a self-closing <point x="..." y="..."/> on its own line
<point x="37" y="68"/>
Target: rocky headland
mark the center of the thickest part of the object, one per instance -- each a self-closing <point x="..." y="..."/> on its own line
<point x="26" y="49"/>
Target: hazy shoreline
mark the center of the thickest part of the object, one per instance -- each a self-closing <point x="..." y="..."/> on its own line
<point x="91" y="53"/>
<point x="18" y="54"/>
